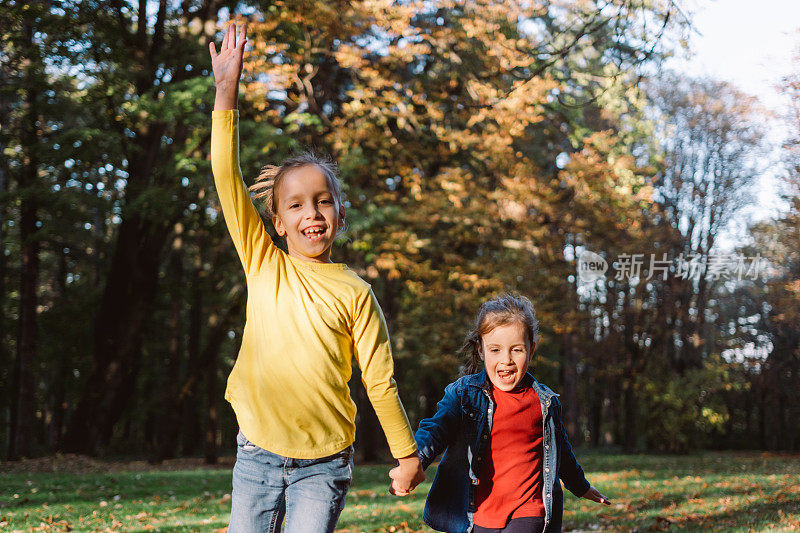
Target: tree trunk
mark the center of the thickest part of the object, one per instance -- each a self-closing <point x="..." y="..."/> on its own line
<point x="629" y="415"/>
<point x="594" y="395"/>
<point x="170" y="418"/>
<point x="59" y="381"/>
<point x="569" y="370"/>
<point x="219" y="329"/>
<point x="210" y="448"/>
<point x="629" y="375"/>
<point x="125" y="306"/>
<point x="190" y="419"/>
<point x="22" y="410"/>
<point x="22" y="413"/>
<point x="4" y="340"/>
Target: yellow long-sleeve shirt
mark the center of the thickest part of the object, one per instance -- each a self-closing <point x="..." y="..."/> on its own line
<point x="305" y="322"/>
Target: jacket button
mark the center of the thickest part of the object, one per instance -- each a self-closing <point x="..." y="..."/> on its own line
<point x="546" y="469"/>
<point x="475" y="481"/>
<point x="546" y="446"/>
<point x="547" y="495"/>
<point x="485" y="437"/>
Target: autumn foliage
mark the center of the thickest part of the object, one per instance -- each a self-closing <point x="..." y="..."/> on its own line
<point x="483" y="146"/>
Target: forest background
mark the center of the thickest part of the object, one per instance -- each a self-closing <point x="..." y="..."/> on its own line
<point x="484" y="146"/>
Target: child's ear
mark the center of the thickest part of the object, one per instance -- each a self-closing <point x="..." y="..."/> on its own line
<point x="279" y="227"/>
<point x="341" y="216"/>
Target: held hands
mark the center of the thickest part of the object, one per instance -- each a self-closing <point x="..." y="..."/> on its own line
<point x="227" y="67"/>
<point x="594" y="495"/>
<point x="406" y="476"/>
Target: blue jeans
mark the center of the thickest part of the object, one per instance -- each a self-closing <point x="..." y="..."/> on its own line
<point x="268" y="487"/>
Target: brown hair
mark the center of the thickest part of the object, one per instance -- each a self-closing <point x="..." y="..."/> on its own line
<point x="269" y="179"/>
<point x="502" y="310"/>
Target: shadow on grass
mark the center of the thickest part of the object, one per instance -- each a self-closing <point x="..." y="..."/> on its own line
<point x="760" y="514"/>
<point x="713" y="515"/>
<point x="659" y="500"/>
<point x="73" y="489"/>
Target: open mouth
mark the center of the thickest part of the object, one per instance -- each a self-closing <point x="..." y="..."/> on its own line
<point x="506" y="376"/>
<point x="314" y="233"/>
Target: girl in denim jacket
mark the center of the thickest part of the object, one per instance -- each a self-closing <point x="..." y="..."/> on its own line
<point x="501" y="432"/>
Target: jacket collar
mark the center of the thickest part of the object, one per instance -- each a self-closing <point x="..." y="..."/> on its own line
<point x="481" y="380"/>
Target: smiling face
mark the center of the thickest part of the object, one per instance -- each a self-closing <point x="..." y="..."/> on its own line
<point x="308" y="214"/>
<point x="506" y="353"/>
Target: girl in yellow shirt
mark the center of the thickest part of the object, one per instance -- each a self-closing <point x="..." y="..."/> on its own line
<point x="307" y="318"/>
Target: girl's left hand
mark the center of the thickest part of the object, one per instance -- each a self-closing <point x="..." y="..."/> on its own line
<point x="594" y="495"/>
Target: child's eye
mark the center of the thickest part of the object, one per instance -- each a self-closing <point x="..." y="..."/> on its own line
<point x="292" y="206"/>
<point x="325" y="201"/>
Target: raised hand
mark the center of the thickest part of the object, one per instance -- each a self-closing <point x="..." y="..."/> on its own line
<point x="227" y="65"/>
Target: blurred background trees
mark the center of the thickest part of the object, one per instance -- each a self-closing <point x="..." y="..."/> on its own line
<point x="484" y="146"/>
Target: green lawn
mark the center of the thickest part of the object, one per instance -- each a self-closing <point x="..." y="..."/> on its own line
<point x="705" y="492"/>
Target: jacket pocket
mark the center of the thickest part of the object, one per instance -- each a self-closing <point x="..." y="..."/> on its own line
<point x="471" y="421"/>
<point x="471" y="415"/>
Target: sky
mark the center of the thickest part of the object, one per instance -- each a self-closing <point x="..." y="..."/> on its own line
<point x="749" y="43"/>
<point x="753" y="45"/>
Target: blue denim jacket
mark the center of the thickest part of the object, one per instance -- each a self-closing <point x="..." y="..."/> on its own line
<point x="461" y="428"/>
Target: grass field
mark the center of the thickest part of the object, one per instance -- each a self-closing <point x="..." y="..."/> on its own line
<point x="705" y="492"/>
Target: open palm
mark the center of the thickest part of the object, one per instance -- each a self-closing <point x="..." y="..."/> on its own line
<point x="227" y="64"/>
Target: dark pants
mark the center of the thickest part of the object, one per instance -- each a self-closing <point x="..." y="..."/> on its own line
<point x="533" y="524"/>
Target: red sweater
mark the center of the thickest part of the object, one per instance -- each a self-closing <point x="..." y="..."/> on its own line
<point x="510" y="483"/>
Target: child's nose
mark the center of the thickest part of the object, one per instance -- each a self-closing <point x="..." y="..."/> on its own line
<point x="312" y="212"/>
